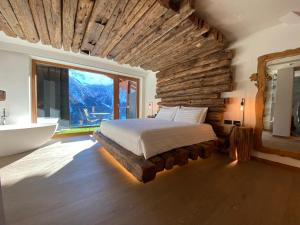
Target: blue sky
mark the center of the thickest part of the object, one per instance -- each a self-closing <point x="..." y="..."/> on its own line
<point x="90" y="78"/>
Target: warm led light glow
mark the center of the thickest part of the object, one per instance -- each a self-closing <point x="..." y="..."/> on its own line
<point x="243" y="110"/>
<point x="232" y="164"/>
<point x="117" y="165"/>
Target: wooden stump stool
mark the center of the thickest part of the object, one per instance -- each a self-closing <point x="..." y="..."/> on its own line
<point x="241" y="143"/>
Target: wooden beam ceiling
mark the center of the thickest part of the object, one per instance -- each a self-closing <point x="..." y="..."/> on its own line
<point x="153" y="34"/>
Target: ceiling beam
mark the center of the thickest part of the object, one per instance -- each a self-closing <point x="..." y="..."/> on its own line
<point x="84" y="11"/>
<point x="137" y="13"/>
<point x="101" y="14"/>
<point x="4" y="26"/>
<point x="53" y="18"/>
<point x="171" y="4"/>
<point x="68" y="18"/>
<point x="23" y="13"/>
<point x="117" y="13"/>
<point x="162" y="30"/>
<point x="10" y="17"/>
<point x="140" y="28"/>
<point x="38" y="13"/>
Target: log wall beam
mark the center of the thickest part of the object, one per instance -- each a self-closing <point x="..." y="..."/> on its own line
<point x="202" y="90"/>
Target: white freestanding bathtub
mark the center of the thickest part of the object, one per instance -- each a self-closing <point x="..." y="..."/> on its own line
<point x="21" y="138"/>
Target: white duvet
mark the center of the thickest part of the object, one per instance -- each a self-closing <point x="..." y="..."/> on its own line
<point x="149" y="137"/>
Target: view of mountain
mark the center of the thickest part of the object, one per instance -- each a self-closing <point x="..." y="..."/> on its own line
<point x="90" y="98"/>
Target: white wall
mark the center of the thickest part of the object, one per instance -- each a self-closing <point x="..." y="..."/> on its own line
<point x="15" y="73"/>
<point x="14" y="79"/>
<point x="274" y="39"/>
<point x="150" y="87"/>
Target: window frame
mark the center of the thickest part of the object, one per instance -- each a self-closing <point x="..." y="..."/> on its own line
<point x="116" y="78"/>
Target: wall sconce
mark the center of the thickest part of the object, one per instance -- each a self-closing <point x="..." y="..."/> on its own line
<point x="151" y="106"/>
<point x="243" y="110"/>
<point x="2" y="95"/>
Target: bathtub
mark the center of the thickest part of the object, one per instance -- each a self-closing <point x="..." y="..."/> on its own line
<point x="21" y="138"/>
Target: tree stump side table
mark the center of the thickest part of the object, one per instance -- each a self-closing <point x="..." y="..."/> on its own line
<point x="241" y="143"/>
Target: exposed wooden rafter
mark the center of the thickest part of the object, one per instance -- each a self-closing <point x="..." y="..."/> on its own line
<point x="38" y="13"/>
<point x="10" y="18"/>
<point x="84" y="10"/>
<point x="4" y="26"/>
<point x="153" y="34"/>
<point x="53" y="14"/>
<point x="23" y="13"/>
<point x="68" y="18"/>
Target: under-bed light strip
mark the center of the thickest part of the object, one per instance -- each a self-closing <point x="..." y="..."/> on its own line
<point x="116" y="164"/>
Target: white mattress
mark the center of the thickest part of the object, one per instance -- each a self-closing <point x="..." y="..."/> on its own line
<point x="149" y="137"/>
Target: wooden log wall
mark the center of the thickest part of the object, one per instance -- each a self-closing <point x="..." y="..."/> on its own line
<point x="198" y="83"/>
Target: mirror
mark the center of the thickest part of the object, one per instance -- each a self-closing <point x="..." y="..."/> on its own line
<point x="281" y="121"/>
<point x="277" y="129"/>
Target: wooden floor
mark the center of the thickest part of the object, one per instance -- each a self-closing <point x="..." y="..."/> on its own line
<point x="72" y="182"/>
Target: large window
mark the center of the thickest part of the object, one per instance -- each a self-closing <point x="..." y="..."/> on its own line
<point x="80" y="99"/>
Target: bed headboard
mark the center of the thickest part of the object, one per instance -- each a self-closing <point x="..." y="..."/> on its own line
<point x="198" y="82"/>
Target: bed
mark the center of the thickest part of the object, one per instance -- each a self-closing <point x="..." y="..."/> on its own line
<point x="147" y="146"/>
<point x="150" y="137"/>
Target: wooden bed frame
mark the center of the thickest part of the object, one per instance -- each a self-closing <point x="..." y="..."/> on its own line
<point x="145" y="170"/>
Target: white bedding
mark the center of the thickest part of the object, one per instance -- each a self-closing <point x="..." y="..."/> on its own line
<point x="149" y="137"/>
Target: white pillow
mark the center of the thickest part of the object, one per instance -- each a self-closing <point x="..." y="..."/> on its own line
<point x="167" y="113"/>
<point x="170" y="107"/>
<point x="191" y="114"/>
<point x="203" y="113"/>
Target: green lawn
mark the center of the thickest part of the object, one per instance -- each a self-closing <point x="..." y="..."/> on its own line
<point x="77" y="130"/>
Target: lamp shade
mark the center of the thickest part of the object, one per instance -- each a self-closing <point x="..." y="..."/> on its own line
<point x="2" y="95"/>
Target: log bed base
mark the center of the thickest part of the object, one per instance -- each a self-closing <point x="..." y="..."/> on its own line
<point x="145" y="170"/>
